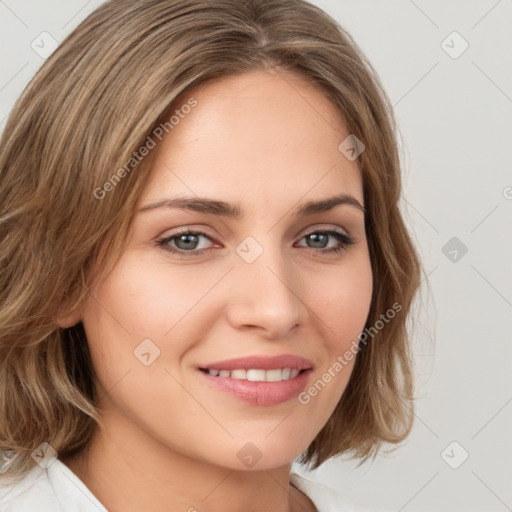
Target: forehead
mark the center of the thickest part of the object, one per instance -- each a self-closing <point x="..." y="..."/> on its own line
<point x="263" y="136"/>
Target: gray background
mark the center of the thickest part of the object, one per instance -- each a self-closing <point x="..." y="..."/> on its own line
<point x="455" y="116"/>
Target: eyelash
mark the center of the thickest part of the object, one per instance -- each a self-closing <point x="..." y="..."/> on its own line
<point x="344" y="240"/>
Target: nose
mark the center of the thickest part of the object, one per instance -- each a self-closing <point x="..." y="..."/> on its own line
<point x="265" y="295"/>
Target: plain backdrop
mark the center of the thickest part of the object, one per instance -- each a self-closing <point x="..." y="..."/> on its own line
<point x="446" y="68"/>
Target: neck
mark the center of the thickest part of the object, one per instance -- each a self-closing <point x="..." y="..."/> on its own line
<point x="131" y="471"/>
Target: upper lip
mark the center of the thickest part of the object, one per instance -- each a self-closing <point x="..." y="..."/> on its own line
<point x="261" y="362"/>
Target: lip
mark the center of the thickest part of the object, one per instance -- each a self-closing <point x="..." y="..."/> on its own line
<point x="260" y="393"/>
<point x="261" y="362"/>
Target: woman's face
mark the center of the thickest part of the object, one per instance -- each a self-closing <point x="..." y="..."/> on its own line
<point x="262" y="284"/>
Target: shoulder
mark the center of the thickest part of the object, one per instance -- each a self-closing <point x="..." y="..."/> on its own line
<point x="54" y="489"/>
<point x="32" y="492"/>
<point x="325" y="498"/>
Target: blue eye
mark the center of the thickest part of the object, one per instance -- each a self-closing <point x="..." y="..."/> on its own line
<point x="319" y="237"/>
<point x="187" y="239"/>
<point x="185" y="243"/>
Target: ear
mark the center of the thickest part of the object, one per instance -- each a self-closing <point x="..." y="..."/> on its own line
<point x="69" y="320"/>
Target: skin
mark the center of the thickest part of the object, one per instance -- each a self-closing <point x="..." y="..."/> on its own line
<point x="268" y="141"/>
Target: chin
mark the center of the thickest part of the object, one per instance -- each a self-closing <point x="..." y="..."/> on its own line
<point x="258" y="454"/>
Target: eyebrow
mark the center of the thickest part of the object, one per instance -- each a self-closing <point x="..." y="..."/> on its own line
<point x="215" y="207"/>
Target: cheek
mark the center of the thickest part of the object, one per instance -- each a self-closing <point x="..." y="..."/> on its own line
<point x="343" y="303"/>
<point x="147" y="301"/>
<point x="341" y="307"/>
<point x="137" y="302"/>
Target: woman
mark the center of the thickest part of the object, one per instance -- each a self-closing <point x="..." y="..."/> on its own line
<point x="205" y="272"/>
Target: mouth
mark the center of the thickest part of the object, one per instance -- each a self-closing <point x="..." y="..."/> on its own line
<point x="259" y="380"/>
<point x="256" y="374"/>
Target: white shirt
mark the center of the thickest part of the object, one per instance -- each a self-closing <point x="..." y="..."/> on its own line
<point x="58" y="489"/>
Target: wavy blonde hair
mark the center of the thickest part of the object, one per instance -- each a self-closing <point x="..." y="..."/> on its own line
<point x="92" y="104"/>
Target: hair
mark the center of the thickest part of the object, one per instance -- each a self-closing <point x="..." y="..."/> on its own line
<point x="85" y="113"/>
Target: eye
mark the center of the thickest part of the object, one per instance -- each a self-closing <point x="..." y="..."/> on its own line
<point x="186" y="242"/>
<point x="320" y="239"/>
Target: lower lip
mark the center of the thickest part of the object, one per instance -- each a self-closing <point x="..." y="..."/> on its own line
<point x="260" y="393"/>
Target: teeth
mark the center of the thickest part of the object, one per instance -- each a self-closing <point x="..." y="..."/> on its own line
<point x="273" y="375"/>
<point x="239" y="374"/>
<point x="255" y="375"/>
